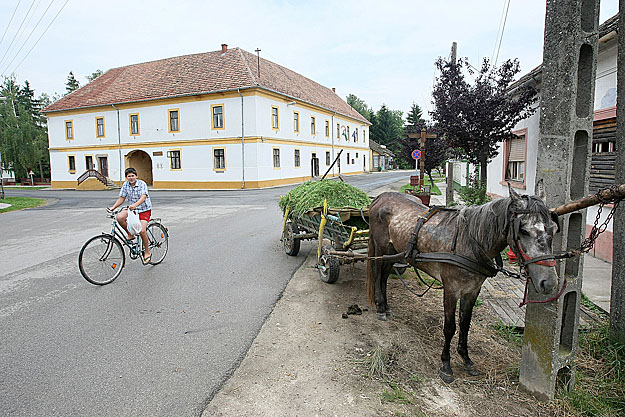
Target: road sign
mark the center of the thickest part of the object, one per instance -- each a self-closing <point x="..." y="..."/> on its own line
<point x="416" y="154"/>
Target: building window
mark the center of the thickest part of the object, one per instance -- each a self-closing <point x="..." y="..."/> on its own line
<point x="347" y="134"/>
<point x="297" y="158"/>
<point x="69" y="130"/>
<point x="313" y="127"/>
<point x="219" y="159"/>
<point x="327" y="129"/>
<point x="174" y="120"/>
<point x="275" y="119"/>
<point x="296" y="121"/>
<point x="134" y="125"/>
<point x="364" y="136"/>
<point x="99" y="127"/>
<point x="276" y="157"/>
<point x="71" y="163"/>
<point x="88" y="161"/>
<point x="356" y="136"/>
<point x="218" y="116"/>
<point x="514" y="158"/>
<point x="174" y="157"/>
<point x="338" y="131"/>
<point x="348" y="158"/>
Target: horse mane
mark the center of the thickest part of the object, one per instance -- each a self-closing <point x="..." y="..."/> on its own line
<point x="487" y="223"/>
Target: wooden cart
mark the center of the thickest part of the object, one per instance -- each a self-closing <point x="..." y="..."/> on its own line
<point x="336" y="229"/>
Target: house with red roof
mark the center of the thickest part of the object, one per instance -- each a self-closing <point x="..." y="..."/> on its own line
<point x="225" y="119"/>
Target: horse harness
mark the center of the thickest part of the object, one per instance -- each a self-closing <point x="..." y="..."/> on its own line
<point x="413" y="256"/>
<point x="485" y="266"/>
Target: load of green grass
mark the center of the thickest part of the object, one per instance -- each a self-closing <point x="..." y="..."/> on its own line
<point x="311" y="194"/>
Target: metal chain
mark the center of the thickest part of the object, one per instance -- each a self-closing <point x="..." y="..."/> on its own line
<point x="589" y="242"/>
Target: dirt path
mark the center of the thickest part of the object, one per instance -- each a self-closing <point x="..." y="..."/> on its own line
<point x="309" y="361"/>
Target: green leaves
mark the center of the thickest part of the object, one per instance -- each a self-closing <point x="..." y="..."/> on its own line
<point x="312" y="193"/>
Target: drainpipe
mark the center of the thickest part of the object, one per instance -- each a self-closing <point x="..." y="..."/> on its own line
<point x="242" y="143"/>
<point x="332" y="130"/>
<point x="119" y="146"/>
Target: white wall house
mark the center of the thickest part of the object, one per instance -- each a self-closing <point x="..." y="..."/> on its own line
<point x="205" y="121"/>
<point x="516" y="161"/>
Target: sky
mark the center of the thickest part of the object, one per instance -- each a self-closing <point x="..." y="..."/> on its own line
<point x="381" y="51"/>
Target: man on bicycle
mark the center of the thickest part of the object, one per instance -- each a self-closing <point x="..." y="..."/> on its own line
<point x="136" y="191"/>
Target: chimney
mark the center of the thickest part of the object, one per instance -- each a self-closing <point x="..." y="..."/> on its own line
<point x="224" y="48"/>
<point x="333" y="90"/>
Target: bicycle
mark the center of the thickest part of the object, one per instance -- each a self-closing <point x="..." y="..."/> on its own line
<point x="102" y="257"/>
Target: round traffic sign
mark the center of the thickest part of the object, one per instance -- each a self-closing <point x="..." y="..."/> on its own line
<point x="416" y="154"/>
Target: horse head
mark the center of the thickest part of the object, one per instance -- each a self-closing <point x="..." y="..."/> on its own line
<point x="530" y="235"/>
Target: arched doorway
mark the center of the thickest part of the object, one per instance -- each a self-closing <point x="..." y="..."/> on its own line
<point x="142" y="162"/>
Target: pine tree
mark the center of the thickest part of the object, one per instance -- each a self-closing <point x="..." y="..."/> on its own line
<point x="387" y="128"/>
<point x="414" y="121"/>
<point x="71" y="84"/>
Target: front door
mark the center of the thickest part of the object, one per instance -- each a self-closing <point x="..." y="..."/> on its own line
<point x="104" y="165"/>
<point x="314" y="165"/>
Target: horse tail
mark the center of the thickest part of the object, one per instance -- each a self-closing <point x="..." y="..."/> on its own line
<point x="370" y="277"/>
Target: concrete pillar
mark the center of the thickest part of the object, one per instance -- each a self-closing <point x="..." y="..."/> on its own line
<point x="617" y="301"/>
<point x="563" y="163"/>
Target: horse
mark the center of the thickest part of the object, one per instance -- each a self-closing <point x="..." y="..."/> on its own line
<point x="475" y="235"/>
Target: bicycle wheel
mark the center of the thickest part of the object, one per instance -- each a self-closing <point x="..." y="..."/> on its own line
<point x="101" y="259"/>
<point x="158" y="238"/>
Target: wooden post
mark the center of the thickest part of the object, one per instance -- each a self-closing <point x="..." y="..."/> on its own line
<point x="449" y="192"/>
<point x="422" y="159"/>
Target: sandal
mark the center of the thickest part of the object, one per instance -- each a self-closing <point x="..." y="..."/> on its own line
<point x="146" y="260"/>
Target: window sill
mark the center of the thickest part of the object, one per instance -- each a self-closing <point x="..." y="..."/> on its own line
<point x="514" y="184"/>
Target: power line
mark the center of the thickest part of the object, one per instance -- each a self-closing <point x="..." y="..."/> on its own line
<point x="11" y="20"/>
<point x="44" y="32"/>
<point x="18" y="30"/>
<point x="29" y="35"/>
<point x="503" y="27"/>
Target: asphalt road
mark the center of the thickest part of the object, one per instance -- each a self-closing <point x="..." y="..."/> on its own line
<point x="158" y="341"/>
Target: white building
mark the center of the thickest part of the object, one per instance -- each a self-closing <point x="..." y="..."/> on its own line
<point x="222" y="119"/>
<point x="516" y="161"/>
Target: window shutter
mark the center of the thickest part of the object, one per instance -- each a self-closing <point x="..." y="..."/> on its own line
<point x="517" y="149"/>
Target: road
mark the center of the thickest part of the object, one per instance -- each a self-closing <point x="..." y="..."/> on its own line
<point x="160" y="340"/>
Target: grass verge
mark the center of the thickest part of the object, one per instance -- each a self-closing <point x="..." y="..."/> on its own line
<point x="24" y="187"/>
<point x="20" y="203"/>
<point x="600" y="378"/>
<point x="433" y="188"/>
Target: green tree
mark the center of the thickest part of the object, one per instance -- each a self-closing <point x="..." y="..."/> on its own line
<point x="71" y="84"/>
<point x="387" y="127"/>
<point x="23" y="139"/>
<point x="414" y="121"/>
<point x="94" y="75"/>
<point x="360" y="106"/>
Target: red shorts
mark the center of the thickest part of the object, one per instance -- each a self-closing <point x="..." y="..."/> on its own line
<point x="145" y="215"/>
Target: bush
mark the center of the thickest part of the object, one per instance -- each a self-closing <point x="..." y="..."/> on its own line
<point x="472" y="194"/>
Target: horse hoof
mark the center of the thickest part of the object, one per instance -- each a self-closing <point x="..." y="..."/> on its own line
<point x="389" y="314"/>
<point x="446" y="377"/>
<point x="381" y="316"/>
<point x="470" y="369"/>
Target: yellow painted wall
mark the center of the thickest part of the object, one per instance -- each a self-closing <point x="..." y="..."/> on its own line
<point x="90" y="184"/>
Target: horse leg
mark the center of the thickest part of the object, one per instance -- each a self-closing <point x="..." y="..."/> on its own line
<point x="467" y="301"/>
<point x="386" y="271"/>
<point x="380" y="296"/>
<point x="449" y="329"/>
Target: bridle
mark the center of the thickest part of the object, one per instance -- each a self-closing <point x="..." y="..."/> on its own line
<point x="524" y="260"/>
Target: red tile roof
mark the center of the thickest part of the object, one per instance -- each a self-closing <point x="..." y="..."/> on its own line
<point x="200" y="74"/>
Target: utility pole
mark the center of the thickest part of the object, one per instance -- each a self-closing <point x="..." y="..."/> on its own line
<point x="258" y="60"/>
<point x="449" y="192"/>
<point x="617" y="299"/>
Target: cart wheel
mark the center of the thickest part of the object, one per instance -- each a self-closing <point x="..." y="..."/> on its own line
<point x="291" y="244"/>
<point x="332" y="267"/>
